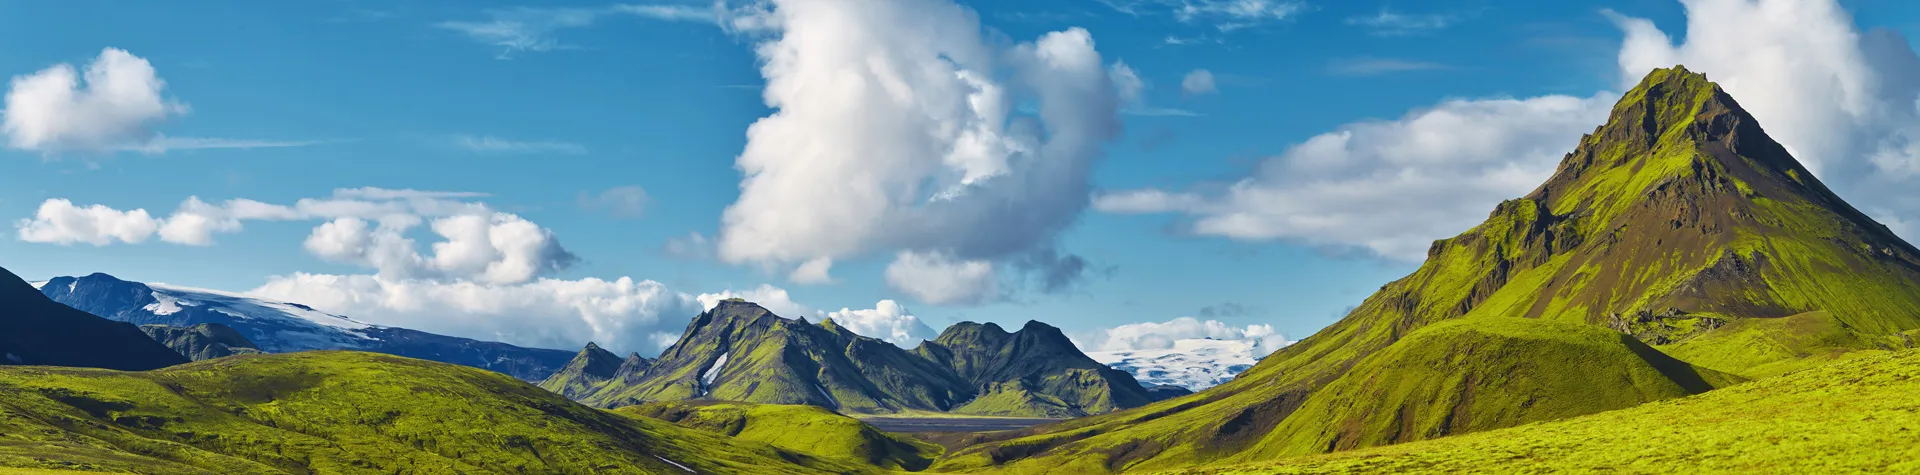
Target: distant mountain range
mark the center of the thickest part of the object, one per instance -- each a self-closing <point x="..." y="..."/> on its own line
<point x="281" y="327"/>
<point x="739" y="351"/>
<point x="1194" y="364"/>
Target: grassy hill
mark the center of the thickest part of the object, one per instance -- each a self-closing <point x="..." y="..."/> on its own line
<point x="343" y="412"/>
<point x="811" y="430"/>
<point x="1674" y="222"/>
<point x="1855" y="416"/>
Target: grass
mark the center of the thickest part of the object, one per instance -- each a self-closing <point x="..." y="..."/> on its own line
<point x="1854" y="416"/>
<point x="804" y="429"/>
<point x="342" y="412"/>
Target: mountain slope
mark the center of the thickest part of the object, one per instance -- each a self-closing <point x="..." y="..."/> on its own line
<point x="202" y="342"/>
<point x="1677" y="217"/>
<point x="739" y="351"/>
<point x="38" y="331"/>
<point x="1855" y="416"/>
<point x="1034" y="372"/>
<point x="588" y="369"/>
<point x="280" y="327"/>
<point x="344" y="412"/>
<point x="810" y="430"/>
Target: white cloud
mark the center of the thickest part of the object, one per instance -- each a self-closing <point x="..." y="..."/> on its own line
<point x="113" y="106"/>
<point x="621" y="202"/>
<point x="1198" y="81"/>
<point x="774" y="299"/>
<point x="1224" y="15"/>
<point x="911" y="115"/>
<point x="1390" y="23"/>
<point x="490" y="144"/>
<point x="523" y="29"/>
<point x="116" y="106"/>
<point x="1389" y="187"/>
<point x="364" y="226"/>
<point x="622" y="314"/>
<point x="815" y="271"/>
<point x="60" y="222"/>
<point x="1162" y="335"/>
<point x="940" y="279"/>
<point x="887" y="320"/>
<point x="688" y="13"/>
<point x="1378" y="66"/>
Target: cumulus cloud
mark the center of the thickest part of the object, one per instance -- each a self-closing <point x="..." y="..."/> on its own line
<point x="1198" y="81"/>
<point x="622" y="314"/>
<point x="887" y="320"/>
<point x="117" y="105"/>
<point x="1387" y="186"/>
<point x="815" y="271"/>
<point x="365" y="226"/>
<point x="896" y="130"/>
<point x="621" y="202"/>
<point x="1162" y="335"/>
<point x="940" y="279"/>
<point x="58" y="221"/>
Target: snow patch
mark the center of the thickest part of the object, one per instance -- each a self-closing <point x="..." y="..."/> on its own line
<point x="164" y="304"/>
<point x="73" y="285"/>
<point x="1195" y="364"/>
<point x="676" y="464"/>
<point x="238" y="305"/>
<point x="706" y="379"/>
<point x="38" y="285"/>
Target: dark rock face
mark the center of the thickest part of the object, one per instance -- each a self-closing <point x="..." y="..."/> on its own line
<point x="739" y="351"/>
<point x="282" y="327"/>
<point x="202" y="342"/>
<point x="37" y="331"/>
<point x="1166" y="391"/>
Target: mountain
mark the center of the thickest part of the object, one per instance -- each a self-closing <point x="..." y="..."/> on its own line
<point x="202" y="342"/>
<point x="281" y="327"/>
<point x="1678" y="223"/>
<point x="588" y="369"/>
<point x="1853" y="416"/>
<point x="1034" y="372"/>
<point x="38" y="331"/>
<point x="811" y="430"/>
<point x="345" y="412"/>
<point x="1194" y="364"/>
<point x="739" y="351"/>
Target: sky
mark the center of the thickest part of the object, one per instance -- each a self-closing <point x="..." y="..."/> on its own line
<point x="1132" y="171"/>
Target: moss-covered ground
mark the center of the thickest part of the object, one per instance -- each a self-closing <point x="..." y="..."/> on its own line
<point x="807" y="429"/>
<point x="1859" y="415"/>
<point x="343" y="413"/>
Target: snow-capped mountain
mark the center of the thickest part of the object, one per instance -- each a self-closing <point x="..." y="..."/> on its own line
<point x="280" y="327"/>
<point x="1194" y="364"/>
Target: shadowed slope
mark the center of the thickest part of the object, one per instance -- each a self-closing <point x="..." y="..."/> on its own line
<point x="202" y="342"/>
<point x="37" y="331"/>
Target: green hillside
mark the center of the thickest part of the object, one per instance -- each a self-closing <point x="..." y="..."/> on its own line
<point x="1033" y="372"/>
<point x="1675" y="220"/>
<point x="804" y="429"/>
<point x="202" y="342"/>
<point x="342" y="412"/>
<point x="1855" y="416"/>
<point x="587" y="370"/>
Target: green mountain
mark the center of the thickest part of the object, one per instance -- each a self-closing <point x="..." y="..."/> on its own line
<point x="348" y="413"/>
<point x="584" y="373"/>
<point x="35" y="330"/>
<point x="1034" y="372"/>
<point x="811" y="430"/>
<point x="1854" y="416"/>
<point x="739" y="351"/>
<point x="202" y="342"/>
<point x="1678" y="222"/>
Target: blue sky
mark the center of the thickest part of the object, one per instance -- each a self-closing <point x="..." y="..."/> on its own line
<point x="545" y="109"/>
